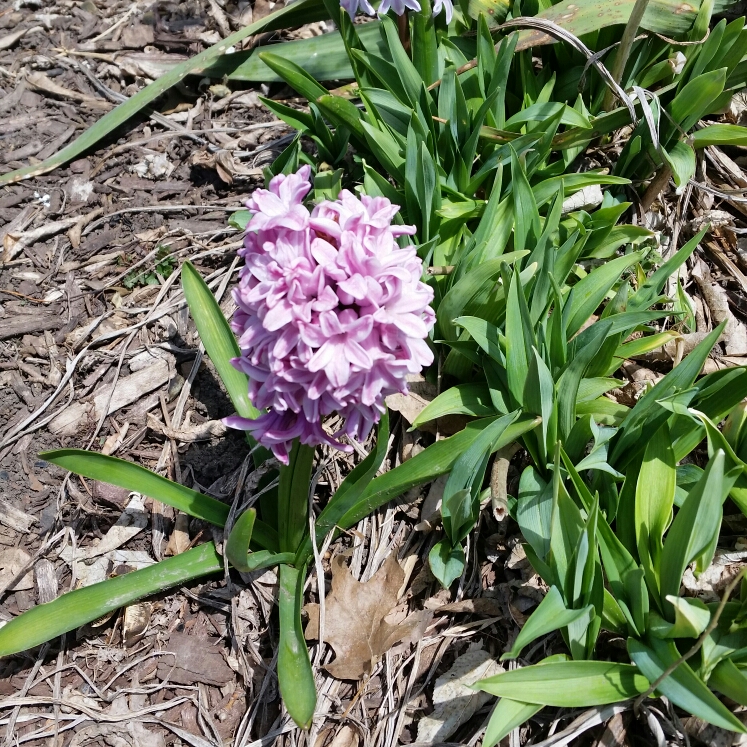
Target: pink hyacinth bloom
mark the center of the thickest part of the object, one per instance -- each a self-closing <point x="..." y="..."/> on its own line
<point x="332" y="315"/>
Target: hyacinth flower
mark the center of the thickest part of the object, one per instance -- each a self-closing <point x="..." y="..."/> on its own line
<point x="332" y="314"/>
<point x="331" y="318"/>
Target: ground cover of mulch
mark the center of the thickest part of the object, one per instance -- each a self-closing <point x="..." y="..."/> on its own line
<point x="97" y="351"/>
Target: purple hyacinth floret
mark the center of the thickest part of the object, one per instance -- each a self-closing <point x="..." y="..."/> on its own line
<point x="332" y="315"/>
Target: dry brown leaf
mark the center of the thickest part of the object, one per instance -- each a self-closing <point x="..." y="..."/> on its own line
<point x="12" y="562"/>
<point x="354" y="619"/>
<point x="179" y="540"/>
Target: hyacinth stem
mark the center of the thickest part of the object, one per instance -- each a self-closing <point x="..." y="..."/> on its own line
<point x="293" y="497"/>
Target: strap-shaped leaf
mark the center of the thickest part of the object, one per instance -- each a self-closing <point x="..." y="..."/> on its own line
<point x="568" y="684"/>
<point x="140" y="480"/>
<point x="683" y="687"/>
<point x="552" y="614"/>
<point x="219" y="341"/>
<point x="76" y="608"/>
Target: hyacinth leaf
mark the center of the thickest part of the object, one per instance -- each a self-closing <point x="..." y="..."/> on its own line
<point x="683" y="687"/>
<point x="239" y="539"/>
<point x="295" y="676"/>
<point x="694" y="527"/>
<point x="294" y="75"/>
<point x="650" y="290"/>
<point x="463" y="399"/>
<point x="534" y="511"/>
<point x="681" y="160"/>
<point x="654" y="499"/>
<point x="435" y="460"/>
<point x="729" y="680"/>
<point x="719" y="134"/>
<point x="588" y="293"/>
<point x="298" y="13"/>
<point x="467" y="287"/>
<point x="76" y="608"/>
<point x="696" y="99"/>
<point x="648" y="415"/>
<point x="550" y="615"/>
<point x="220" y="343"/>
<point x="322" y="57"/>
<point x="133" y="477"/>
<point x="507" y="714"/>
<point x="568" y="684"/>
<point x="138" y="479"/>
<point x="669" y="17"/>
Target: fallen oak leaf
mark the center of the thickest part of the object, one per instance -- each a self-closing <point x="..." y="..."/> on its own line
<point x="355" y="622"/>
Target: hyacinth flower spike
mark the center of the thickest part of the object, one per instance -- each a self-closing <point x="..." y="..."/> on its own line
<point x="331" y="317"/>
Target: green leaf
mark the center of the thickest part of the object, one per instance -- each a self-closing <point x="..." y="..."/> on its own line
<point x="729" y="680"/>
<point x="719" y="134"/>
<point x="534" y="510"/>
<point x="694" y="527"/>
<point x="294" y="75"/>
<point x="349" y="492"/>
<point x="446" y="562"/>
<point x="220" y="343"/>
<point x="550" y="615"/>
<point x="435" y="460"/>
<point x="509" y="714"/>
<point x="303" y="11"/>
<point x="691" y="618"/>
<point x="649" y="292"/>
<point x="681" y="160"/>
<point x="463" y="399"/>
<point x="323" y="57"/>
<point x="683" y="687"/>
<point x="588" y="293"/>
<point x="140" y="480"/>
<point x="76" y="608"/>
<point x="239" y="539"/>
<point x="459" y="296"/>
<point x="460" y="504"/>
<point x="654" y="499"/>
<point x="342" y="112"/>
<point x="648" y="415"/>
<point x="695" y="99"/>
<point x="568" y="684"/>
<point x="295" y="676"/>
<point x="239" y="219"/>
<point x="569" y="382"/>
<point x="517" y="359"/>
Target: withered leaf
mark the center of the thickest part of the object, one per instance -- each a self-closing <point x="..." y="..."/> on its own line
<point x="354" y="619"/>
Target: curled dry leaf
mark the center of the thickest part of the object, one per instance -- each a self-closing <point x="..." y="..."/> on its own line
<point x="354" y="620"/>
<point x="454" y="702"/>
